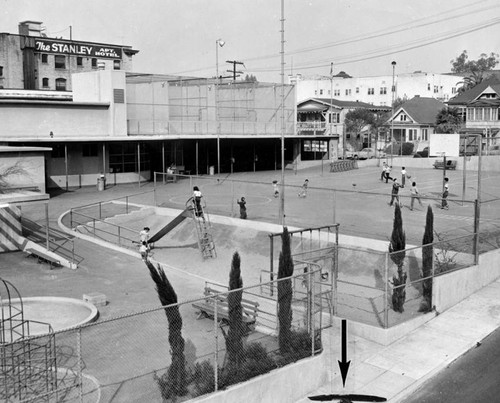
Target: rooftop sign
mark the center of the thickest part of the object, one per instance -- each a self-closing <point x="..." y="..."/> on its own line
<point x="75" y="48"/>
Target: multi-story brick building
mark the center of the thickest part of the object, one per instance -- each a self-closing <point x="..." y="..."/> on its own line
<point x="32" y="61"/>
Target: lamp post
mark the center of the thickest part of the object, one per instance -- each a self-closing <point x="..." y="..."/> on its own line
<point x="392" y="120"/>
<point x="218" y="42"/>
<point x="221" y="43"/>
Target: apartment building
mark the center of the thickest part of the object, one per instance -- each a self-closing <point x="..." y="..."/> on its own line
<point x="376" y="90"/>
<point x="30" y="60"/>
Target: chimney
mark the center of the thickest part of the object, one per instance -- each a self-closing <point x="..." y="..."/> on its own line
<point x="30" y="28"/>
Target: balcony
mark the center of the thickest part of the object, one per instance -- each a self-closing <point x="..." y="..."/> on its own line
<point x="319" y="128"/>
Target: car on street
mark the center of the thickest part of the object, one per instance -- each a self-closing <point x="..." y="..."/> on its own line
<point x="366" y="154"/>
<point x="423" y="153"/>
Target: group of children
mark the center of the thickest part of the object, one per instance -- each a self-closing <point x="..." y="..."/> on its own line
<point x="414" y="192"/>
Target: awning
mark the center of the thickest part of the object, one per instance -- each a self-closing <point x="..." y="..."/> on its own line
<point x="312" y="108"/>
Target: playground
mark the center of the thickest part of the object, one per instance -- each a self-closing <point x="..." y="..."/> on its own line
<point x="353" y="199"/>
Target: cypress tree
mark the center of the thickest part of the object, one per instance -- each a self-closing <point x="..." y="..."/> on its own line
<point x="397" y="247"/>
<point x="285" y="271"/>
<point x="427" y="260"/>
<point x="234" y="342"/>
<point x="175" y="382"/>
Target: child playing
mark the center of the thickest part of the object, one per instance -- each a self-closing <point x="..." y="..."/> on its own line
<point x="276" y="189"/>
<point x="303" y="191"/>
<point x="243" y="209"/>
<point x="198" y="211"/>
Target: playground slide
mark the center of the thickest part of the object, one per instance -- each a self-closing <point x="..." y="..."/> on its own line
<point x="170" y="226"/>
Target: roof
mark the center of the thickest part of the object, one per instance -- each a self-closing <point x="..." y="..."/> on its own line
<point x="325" y="103"/>
<point x="470" y="95"/>
<point x="421" y="109"/>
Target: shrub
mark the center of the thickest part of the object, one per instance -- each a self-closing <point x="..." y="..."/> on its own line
<point x="202" y="378"/>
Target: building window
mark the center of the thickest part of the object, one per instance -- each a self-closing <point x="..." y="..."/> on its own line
<point x="425" y="134"/>
<point x="117" y="65"/>
<point x="89" y="150"/>
<point x="453" y="90"/>
<point x="412" y="133"/>
<point x="1" y="71"/>
<point x="320" y="92"/>
<point x="94" y="63"/>
<point x="123" y="157"/>
<point x="334" y="118"/>
<point x="45" y="58"/>
<point x="436" y="89"/>
<point x="314" y="149"/>
<point x="357" y="90"/>
<point x="315" y="92"/>
<point x="79" y="61"/>
<point x="336" y="93"/>
<point x="428" y="87"/>
<point x="371" y="91"/>
<point x="402" y="118"/>
<point x="60" y="84"/>
<point x="383" y="90"/>
<point x="348" y="91"/>
<point x="119" y="95"/>
<point x="60" y="62"/>
<point x="45" y="82"/>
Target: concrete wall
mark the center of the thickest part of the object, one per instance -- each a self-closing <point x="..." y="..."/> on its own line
<point x="451" y="288"/>
<point x="281" y="384"/>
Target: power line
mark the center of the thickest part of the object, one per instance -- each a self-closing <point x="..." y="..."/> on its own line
<point x="388" y="50"/>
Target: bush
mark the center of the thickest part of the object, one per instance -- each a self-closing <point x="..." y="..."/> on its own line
<point x="202" y="378"/>
<point x="300" y="347"/>
<point x="396" y="148"/>
<point x="257" y="362"/>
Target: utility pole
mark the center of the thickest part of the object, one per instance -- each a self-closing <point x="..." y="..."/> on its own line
<point x="234" y="63"/>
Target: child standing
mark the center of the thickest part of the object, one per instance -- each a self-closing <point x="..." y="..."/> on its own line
<point x="444" y="202"/>
<point x="143" y="250"/>
<point x="414" y="195"/>
<point x="243" y="209"/>
<point x="395" y="191"/>
<point x="403" y="176"/>
<point x="198" y="211"/>
<point x="384" y="167"/>
<point x="276" y="189"/>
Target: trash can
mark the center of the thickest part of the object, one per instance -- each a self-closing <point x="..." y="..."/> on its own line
<point x="101" y="183"/>
<point x="212" y="170"/>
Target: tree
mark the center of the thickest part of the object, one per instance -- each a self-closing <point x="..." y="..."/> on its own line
<point x="471" y="81"/>
<point x="9" y="172"/>
<point x="448" y="120"/>
<point x="397" y="247"/>
<point x="285" y="271"/>
<point x="234" y="342"/>
<point x="355" y="121"/>
<point x="463" y="65"/>
<point x="398" y="102"/>
<point x="473" y="68"/>
<point x="173" y="383"/>
<point x="250" y="78"/>
<point x="427" y="261"/>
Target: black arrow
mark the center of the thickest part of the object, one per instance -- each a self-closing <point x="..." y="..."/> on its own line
<point x="344" y="365"/>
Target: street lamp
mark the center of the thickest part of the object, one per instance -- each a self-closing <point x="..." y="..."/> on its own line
<point x="221" y="43"/>
<point x="218" y="42"/>
<point x="392" y="120"/>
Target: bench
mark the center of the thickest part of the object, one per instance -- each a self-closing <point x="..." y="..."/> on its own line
<point x="43" y="257"/>
<point x="207" y="309"/>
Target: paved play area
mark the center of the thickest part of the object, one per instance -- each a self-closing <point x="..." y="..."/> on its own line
<point x="359" y="204"/>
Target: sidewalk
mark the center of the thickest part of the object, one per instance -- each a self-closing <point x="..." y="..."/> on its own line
<point x="396" y="370"/>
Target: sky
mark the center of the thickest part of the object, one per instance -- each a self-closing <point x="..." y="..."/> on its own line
<point x="360" y="37"/>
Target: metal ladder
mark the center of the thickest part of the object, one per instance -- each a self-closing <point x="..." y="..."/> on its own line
<point x="201" y="221"/>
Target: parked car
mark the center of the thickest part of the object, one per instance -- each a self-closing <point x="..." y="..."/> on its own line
<point x="422" y="154"/>
<point x="366" y="154"/>
<point x="349" y="155"/>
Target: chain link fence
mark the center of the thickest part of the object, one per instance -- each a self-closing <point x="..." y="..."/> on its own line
<point x="187" y="349"/>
